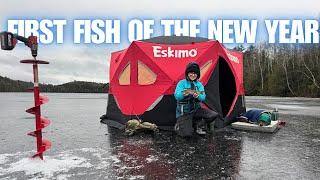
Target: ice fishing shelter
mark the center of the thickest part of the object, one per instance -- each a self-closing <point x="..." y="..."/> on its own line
<point x="143" y="78"/>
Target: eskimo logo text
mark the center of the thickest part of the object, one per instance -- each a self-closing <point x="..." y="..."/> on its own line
<point x="159" y="52"/>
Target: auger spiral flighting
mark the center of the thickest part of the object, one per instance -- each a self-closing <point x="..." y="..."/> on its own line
<point x="8" y="42"/>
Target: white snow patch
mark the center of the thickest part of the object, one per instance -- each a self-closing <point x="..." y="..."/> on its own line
<point x="103" y="165"/>
<point x="63" y="177"/>
<point x="92" y="150"/>
<point x="59" y="166"/>
<point x="232" y="138"/>
<point x="151" y="158"/>
<point x="115" y="159"/>
<point x="316" y="140"/>
<point x="46" y="167"/>
<point x="3" y="158"/>
<point x="136" y="177"/>
<point x="126" y="167"/>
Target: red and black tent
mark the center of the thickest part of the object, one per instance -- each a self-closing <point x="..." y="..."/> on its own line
<point x="143" y="78"/>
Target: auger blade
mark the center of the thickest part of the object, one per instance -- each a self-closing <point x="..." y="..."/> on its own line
<point x="41" y="122"/>
<point x="46" y="144"/>
<point x="32" y="110"/>
<point x="43" y="99"/>
<point x="44" y="122"/>
<point x="33" y="133"/>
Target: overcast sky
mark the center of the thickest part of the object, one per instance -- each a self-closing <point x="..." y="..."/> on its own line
<point x="91" y="63"/>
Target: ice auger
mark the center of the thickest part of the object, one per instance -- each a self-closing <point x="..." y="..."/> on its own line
<point x="8" y="42"/>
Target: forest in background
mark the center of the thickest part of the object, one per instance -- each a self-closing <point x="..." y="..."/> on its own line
<point x="282" y="70"/>
<point x="9" y="85"/>
<point x="285" y="70"/>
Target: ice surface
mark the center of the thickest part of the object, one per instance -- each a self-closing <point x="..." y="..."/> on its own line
<point x="85" y="149"/>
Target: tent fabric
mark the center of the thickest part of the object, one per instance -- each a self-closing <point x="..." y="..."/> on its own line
<point x="163" y="60"/>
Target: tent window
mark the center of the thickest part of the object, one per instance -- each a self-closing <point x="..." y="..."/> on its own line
<point x="205" y="68"/>
<point x="145" y="75"/>
<point x="124" y="78"/>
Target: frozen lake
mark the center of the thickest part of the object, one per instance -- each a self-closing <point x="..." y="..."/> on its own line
<point x="82" y="148"/>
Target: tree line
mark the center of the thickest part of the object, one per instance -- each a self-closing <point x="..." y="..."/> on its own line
<point x="9" y="85"/>
<point x="282" y="69"/>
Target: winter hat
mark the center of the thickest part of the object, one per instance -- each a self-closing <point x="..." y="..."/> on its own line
<point x="192" y="67"/>
<point x="265" y="117"/>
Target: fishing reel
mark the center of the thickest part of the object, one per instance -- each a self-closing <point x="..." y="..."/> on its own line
<point x="9" y="41"/>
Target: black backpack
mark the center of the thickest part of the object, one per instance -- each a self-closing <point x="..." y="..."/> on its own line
<point x="184" y="125"/>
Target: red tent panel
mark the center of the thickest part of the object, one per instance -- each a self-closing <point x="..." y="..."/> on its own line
<point x="168" y="63"/>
